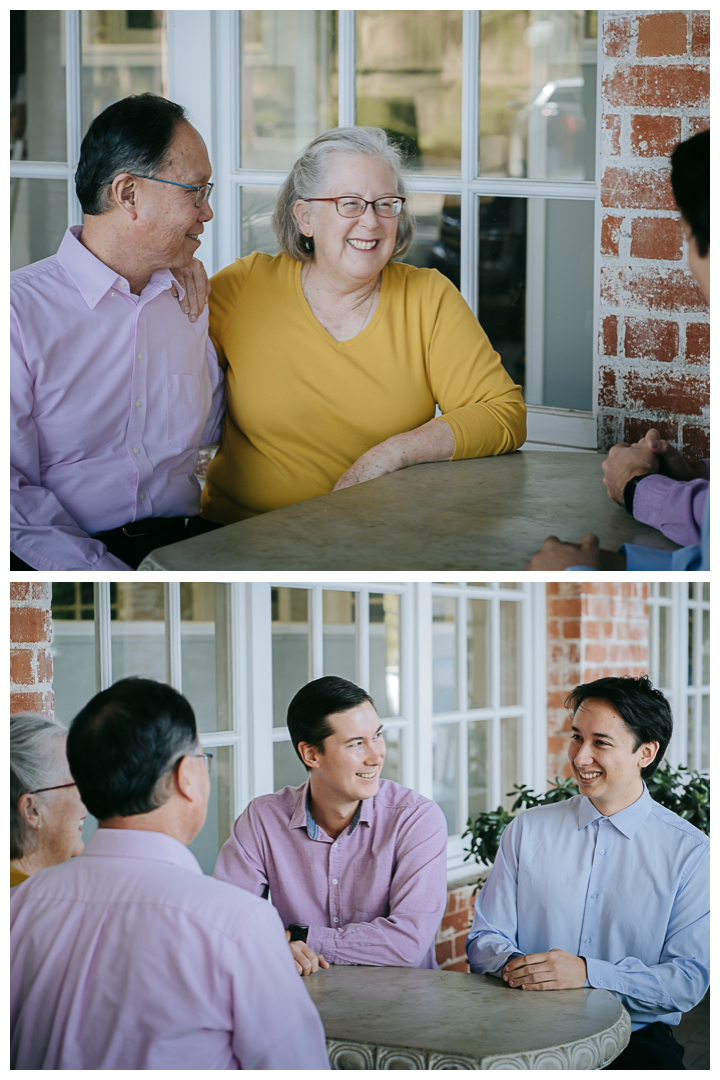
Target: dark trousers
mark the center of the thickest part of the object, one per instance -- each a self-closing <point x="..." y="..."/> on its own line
<point x="133" y="549"/>
<point x="652" y="1047"/>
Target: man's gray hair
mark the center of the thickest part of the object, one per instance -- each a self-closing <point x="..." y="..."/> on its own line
<point x="308" y="178"/>
<point x="31" y="768"/>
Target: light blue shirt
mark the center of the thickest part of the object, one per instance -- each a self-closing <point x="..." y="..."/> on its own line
<point x="628" y="893"/>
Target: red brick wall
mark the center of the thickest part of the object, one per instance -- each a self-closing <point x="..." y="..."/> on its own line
<point x="30" y="659"/>
<point x="450" y="938"/>
<point x="654" y="333"/>
<point x="593" y="630"/>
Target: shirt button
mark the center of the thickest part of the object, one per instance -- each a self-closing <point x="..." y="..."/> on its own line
<point x="600" y="852"/>
<point x="600" y="982"/>
<point x="335" y="881"/>
<point x="138" y="404"/>
<point x="593" y="895"/>
<point x="336" y="919"/>
<point x="140" y="355"/>
<point x="136" y="450"/>
<point x="113" y="294"/>
<point x="586" y="940"/>
<point x="142" y="496"/>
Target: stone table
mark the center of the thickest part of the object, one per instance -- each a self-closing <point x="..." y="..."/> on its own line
<point x="405" y="1018"/>
<point x="477" y="515"/>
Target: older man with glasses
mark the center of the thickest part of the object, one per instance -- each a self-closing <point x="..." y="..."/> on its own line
<point x="128" y="957"/>
<point x="114" y="389"/>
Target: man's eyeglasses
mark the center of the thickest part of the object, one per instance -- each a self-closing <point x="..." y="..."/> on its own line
<point x="354" y="208"/>
<point x="203" y="192"/>
<point x="55" y="787"/>
<point x="207" y="758"/>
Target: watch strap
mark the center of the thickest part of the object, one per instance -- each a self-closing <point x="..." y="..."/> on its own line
<point x="629" y="491"/>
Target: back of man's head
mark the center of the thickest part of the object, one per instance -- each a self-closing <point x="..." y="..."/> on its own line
<point x="691" y="186"/>
<point x="308" y="712"/>
<point x="131" y="136"/>
<point x="123" y="745"/>
<point x="645" y="711"/>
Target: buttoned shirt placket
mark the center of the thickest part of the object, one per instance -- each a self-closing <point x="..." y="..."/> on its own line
<point x="602" y="830"/>
<point x="338" y="853"/>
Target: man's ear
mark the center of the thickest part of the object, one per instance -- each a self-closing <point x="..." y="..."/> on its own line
<point x="310" y="754"/>
<point x="124" y="193"/>
<point x="187" y="779"/>
<point x="648" y="753"/>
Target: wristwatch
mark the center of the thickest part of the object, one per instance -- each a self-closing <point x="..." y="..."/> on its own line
<point x="297" y="932"/>
<point x="629" y="491"/>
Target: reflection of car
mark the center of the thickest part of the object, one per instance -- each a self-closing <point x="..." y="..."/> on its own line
<point x="546" y="138"/>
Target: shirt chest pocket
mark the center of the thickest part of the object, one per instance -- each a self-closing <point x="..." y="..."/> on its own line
<point x="188" y="404"/>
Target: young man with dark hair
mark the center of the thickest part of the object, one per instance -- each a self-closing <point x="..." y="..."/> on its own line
<point x="607" y="889"/>
<point x="113" y="389"/>
<point x="651" y="478"/>
<point x="128" y="957"/>
<point x="355" y="865"/>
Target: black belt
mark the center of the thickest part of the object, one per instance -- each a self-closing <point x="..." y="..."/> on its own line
<point x="148" y="526"/>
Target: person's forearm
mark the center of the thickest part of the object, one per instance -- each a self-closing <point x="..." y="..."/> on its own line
<point x="403" y="942"/>
<point x="672" y="506"/>
<point x="433" y="441"/>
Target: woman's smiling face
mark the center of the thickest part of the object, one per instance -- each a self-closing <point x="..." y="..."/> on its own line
<point x="355" y="249"/>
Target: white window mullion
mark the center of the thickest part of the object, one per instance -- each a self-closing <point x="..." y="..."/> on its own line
<point x="316" y="633"/>
<point x="495" y="777"/>
<point x="535" y="663"/>
<point x="173" y="641"/>
<point x="679" y="624"/>
<point x="73" y="108"/>
<point x="238" y="697"/>
<point x="346" y="68"/>
<point x="408" y="681"/>
<point x="103" y="640"/>
<point x="227" y="128"/>
<point x="259" y="688"/>
<point x="362" y="615"/>
<point x="470" y="134"/>
<point x="424" y="684"/>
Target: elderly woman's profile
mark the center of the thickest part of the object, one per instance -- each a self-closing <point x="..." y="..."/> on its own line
<point x="337" y="354"/>
<point x="46" y="811"/>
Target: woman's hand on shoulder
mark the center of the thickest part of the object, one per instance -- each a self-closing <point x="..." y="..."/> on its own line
<point x="197" y="288"/>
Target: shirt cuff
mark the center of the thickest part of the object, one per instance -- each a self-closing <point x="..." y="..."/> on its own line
<point x="646" y="558"/>
<point x="322" y="941"/>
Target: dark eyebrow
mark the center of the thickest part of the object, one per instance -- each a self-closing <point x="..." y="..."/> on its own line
<point x="354" y="738"/>
<point x="596" y="734"/>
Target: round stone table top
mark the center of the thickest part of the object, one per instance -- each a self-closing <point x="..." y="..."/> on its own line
<point x="406" y="1018"/>
<point x="481" y="514"/>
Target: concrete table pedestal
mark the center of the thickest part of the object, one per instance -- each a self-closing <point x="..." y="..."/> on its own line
<point x="405" y="1018"/>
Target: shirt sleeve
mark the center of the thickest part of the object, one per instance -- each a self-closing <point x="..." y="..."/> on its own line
<point x="416" y="903"/>
<point x="679" y="981"/>
<point x="211" y="434"/>
<point x="674" y="507"/>
<point x="639" y="557"/>
<point x="477" y="397"/>
<point x="241" y="861"/>
<point x="42" y="533"/>
<point x="493" y="937"/>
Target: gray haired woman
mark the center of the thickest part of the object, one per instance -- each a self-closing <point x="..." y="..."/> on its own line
<point x="336" y="353"/>
<point x="46" y="811"/>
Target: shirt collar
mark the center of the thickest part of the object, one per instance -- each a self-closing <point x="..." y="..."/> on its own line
<point x="93" y="278"/>
<point x="302" y="816"/>
<point x="627" y="821"/>
<point x="140" y="844"/>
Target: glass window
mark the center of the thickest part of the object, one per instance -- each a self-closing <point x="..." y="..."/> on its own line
<point x="288" y="769"/>
<point x="510" y="650"/>
<point x="478" y="764"/>
<point x="537" y="94"/>
<point x="206" y="845"/>
<point x="123" y="53"/>
<point x="290" y="648"/>
<point x="445" y="750"/>
<point x="478" y="650"/>
<point x="203" y="637"/>
<point x="289" y="83"/>
<point x="37" y="86"/>
<point x="444" y="654"/>
<point x="392" y="767"/>
<point x="138" y="632"/>
<point x="38" y="219"/>
<point x="436" y="243"/>
<point x="340" y="635"/>
<point x="73" y="648"/>
<point x="385" y="653"/>
<point x="509" y="757"/>
<point x="409" y="82"/>
<point x="258" y="204"/>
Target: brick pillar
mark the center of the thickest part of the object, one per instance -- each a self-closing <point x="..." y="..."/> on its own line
<point x="450" y="938"/>
<point x="654" y="331"/>
<point x="593" y="630"/>
<point x="30" y="636"/>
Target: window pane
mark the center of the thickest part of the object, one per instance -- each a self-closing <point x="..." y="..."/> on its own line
<point x="385" y="653"/>
<point x="664" y="653"/>
<point x="392" y="768"/>
<point x="510" y="686"/>
<point x="138" y="632"/>
<point x="665" y="588"/>
<point x="706" y="591"/>
<point x="477" y="767"/>
<point x="204" y="671"/>
<point x="509" y="758"/>
<point x="705" y="648"/>
<point x="258" y="204"/>
<point x="37" y="86"/>
<point x="445" y="745"/>
<point x="288" y="769"/>
<point x="537" y="94"/>
<point x="206" y="845"/>
<point x="409" y="76"/>
<point x="123" y="53"/>
<point x="290" y="648"/>
<point x="691" y="761"/>
<point x="510" y="585"/>
<point x="436" y="243"/>
<point x="444" y="654"/>
<point x="289" y="83"/>
<point x="535" y="297"/>
<point x="691" y="647"/>
<point x="340" y="635"/>
<point x="705" y="738"/>
<point x="73" y="648"/>
<point x="38" y="219"/>
<point x="478" y="654"/>
<point x="481" y="584"/>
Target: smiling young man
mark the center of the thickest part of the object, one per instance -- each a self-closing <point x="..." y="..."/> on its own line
<point x="356" y="863"/>
<point x="607" y="889"/>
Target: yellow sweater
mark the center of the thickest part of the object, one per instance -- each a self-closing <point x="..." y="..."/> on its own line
<point x="302" y="407"/>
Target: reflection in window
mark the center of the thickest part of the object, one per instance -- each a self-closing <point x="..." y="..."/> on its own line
<point x="258" y="204"/>
<point x="509" y="758"/>
<point x="290" y="648"/>
<point x="38" y="219"/>
<point x="203" y="639"/>
<point x="339" y="635"/>
<point x="436" y="243"/>
<point x="138" y="632"/>
<point x="478" y="654"/>
<point x="288" y="769"/>
<point x="385" y="653"/>
<point x="123" y="53"/>
<point x="392" y="767"/>
<point x="478" y="764"/>
<point x="538" y="74"/>
<point x="444" y="654"/>
<point x="289" y="83"/>
<point x="37" y="86"/>
<point x="445" y="749"/>
<point x="73" y="647"/>
<point x="510" y="652"/>
<point x="409" y="75"/>
<point x="206" y="845"/>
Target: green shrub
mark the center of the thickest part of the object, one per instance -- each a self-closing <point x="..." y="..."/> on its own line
<point x="684" y="792"/>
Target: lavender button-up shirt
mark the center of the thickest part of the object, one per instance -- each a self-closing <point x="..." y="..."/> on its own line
<point x="674" y="507"/>
<point x="128" y="957"/>
<point x="112" y="397"/>
<point x="375" y="895"/>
